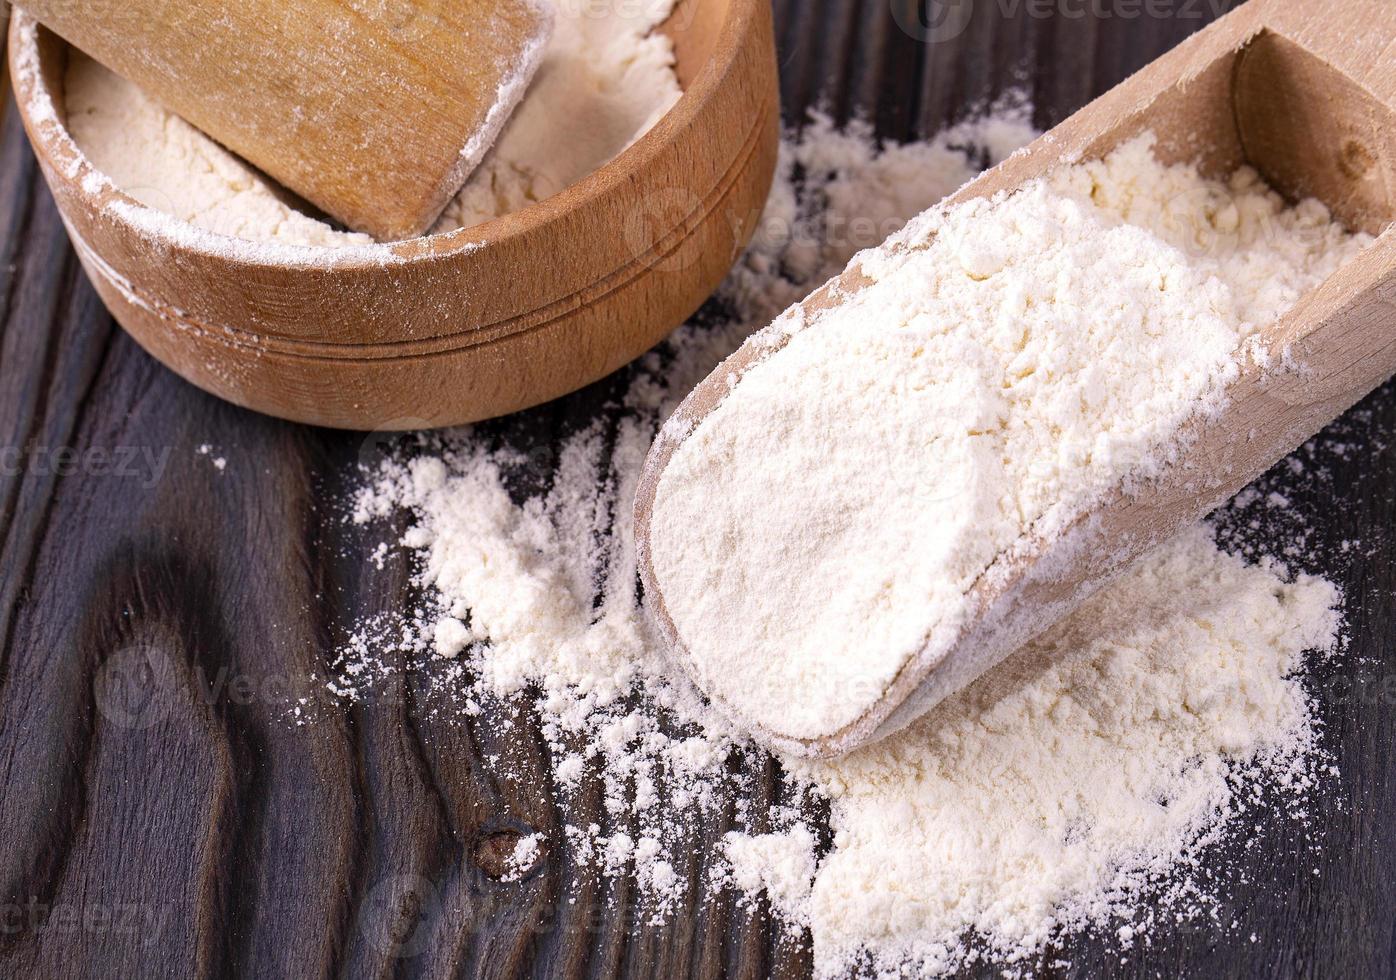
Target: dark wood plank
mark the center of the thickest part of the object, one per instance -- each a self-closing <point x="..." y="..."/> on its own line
<point x="160" y="815"/>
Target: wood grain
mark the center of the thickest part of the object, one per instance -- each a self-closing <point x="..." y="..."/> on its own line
<point x="233" y="843"/>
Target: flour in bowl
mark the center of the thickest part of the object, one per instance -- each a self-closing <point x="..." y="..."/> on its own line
<point x="1013" y="361"/>
<point x="606" y="78"/>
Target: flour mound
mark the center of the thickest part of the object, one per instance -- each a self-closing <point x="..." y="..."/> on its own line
<point x="1095" y="761"/>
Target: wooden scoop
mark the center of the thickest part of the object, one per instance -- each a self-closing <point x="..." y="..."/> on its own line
<point x="375" y="111"/>
<point x="1304" y="91"/>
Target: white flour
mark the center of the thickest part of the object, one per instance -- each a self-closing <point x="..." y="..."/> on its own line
<point x="605" y="79"/>
<point x="1179" y="682"/>
<point x="1099" y="757"/>
<point x="1015" y="361"/>
<point x="523" y="857"/>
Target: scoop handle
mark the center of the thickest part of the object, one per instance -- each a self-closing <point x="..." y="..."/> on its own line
<point x="373" y="110"/>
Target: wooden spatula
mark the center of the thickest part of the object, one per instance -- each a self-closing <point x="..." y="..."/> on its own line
<point x="375" y="111"/>
<point x="1303" y="90"/>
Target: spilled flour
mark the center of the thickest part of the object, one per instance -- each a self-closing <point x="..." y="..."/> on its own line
<point x="1098" y="758"/>
<point x="1079" y="785"/>
<point x="606" y="77"/>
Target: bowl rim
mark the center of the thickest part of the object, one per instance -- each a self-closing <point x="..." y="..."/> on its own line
<point x="49" y="130"/>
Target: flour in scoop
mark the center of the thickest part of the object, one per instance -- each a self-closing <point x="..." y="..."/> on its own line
<point x="606" y="77"/>
<point x="1013" y="361"/>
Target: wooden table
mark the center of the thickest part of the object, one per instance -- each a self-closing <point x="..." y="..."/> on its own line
<point x="200" y="833"/>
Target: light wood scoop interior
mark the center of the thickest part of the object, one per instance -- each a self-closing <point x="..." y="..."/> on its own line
<point x="1305" y="92"/>
<point x="375" y="112"/>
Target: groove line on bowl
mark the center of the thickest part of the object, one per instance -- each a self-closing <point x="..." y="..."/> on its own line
<point x="498" y="331"/>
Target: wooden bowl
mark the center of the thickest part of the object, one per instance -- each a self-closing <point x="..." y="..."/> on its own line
<point x="449" y="328"/>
